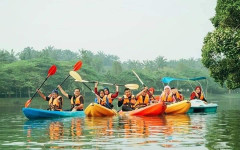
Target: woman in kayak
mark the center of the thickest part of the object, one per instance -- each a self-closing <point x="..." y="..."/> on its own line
<point x="128" y="101"/>
<point x="142" y="99"/>
<point x="55" y="101"/>
<point x="102" y="99"/>
<point x="167" y="96"/>
<point x="109" y="95"/>
<point x="176" y="94"/>
<point x="77" y="100"/>
<point x="197" y="94"/>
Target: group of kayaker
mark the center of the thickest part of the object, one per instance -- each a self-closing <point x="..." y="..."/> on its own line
<point x="128" y="101"/>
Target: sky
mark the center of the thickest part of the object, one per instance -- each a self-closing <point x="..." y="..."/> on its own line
<point x="130" y="29"/>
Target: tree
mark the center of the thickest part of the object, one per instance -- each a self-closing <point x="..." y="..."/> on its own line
<point x="6" y="57"/>
<point x="221" y="49"/>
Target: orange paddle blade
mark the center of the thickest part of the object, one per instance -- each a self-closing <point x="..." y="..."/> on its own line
<point x="28" y="103"/>
<point x="52" y="70"/>
<point x="77" y="66"/>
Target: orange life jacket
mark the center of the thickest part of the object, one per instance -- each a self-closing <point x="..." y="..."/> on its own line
<point x="141" y="101"/>
<point x="76" y="101"/>
<point x="132" y="101"/>
<point x="202" y="96"/>
<point x="55" y="104"/>
<point x="109" y="96"/>
<point x="178" y="96"/>
<point x="169" y="98"/>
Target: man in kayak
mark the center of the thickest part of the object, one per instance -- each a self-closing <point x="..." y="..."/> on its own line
<point x="198" y="94"/>
<point x="77" y="101"/>
<point x="55" y="102"/>
<point x="143" y="99"/>
<point x="109" y="95"/>
<point x="128" y="101"/>
<point x="102" y="99"/>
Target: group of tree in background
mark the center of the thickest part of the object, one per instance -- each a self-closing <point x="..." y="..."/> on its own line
<point x="221" y="49"/>
<point x="22" y="73"/>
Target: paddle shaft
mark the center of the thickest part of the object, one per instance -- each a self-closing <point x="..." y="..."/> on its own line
<point x="63" y="81"/>
<point x="39" y="88"/>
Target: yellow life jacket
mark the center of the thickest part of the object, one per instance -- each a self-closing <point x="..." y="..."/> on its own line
<point x="202" y="96"/>
<point x="178" y="97"/>
<point x="169" y="98"/>
<point x="55" y="104"/>
<point x="103" y="100"/>
<point x="141" y="101"/>
<point x="77" y="100"/>
<point x="132" y="101"/>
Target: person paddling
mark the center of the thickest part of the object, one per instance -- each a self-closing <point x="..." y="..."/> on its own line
<point x="197" y="94"/>
<point x="128" y="101"/>
<point x="142" y="99"/>
<point x="55" y="102"/>
<point x="77" y="100"/>
<point x="109" y="95"/>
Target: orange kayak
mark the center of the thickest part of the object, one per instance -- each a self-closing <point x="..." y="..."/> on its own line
<point x="151" y="110"/>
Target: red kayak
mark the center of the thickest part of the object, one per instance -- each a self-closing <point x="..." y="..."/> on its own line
<point x="151" y="110"/>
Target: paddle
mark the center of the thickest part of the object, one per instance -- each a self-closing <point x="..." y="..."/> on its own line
<point x="130" y="86"/>
<point x="76" y="67"/>
<point x="78" y="78"/>
<point x="141" y="82"/>
<point x="52" y="70"/>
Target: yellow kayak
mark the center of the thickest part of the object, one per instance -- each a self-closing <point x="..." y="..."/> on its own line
<point x="178" y="108"/>
<point x="96" y="110"/>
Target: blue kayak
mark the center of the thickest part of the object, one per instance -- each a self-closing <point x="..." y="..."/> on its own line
<point x="33" y="113"/>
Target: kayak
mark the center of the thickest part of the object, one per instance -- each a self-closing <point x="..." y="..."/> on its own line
<point x="33" y="113"/>
<point x="201" y="106"/>
<point x="96" y="110"/>
<point x="151" y="110"/>
<point x="178" y="107"/>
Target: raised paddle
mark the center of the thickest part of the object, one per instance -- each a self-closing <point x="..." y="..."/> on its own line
<point x="52" y="70"/>
<point x="76" y="67"/>
<point x="130" y="86"/>
<point x="141" y="82"/>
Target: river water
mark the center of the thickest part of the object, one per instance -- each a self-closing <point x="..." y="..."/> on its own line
<point x="219" y="130"/>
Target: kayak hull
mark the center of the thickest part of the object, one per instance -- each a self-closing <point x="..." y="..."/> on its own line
<point x="33" y="113"/>
<point x="151" y="110"/>
<point x="96" y="110"/>
<point x="201" y="106"/>
<point x="178" y="108"/>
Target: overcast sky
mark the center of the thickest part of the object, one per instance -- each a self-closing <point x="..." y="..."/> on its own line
<point x="130" y="29"/>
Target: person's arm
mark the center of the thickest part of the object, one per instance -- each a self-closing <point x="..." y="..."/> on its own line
<point x="42" y="95"/>
<point x="62" y="91"/>
<point x="115" y="94"/>
<point x="140" y="93"/>
<point x="95" y="88"/>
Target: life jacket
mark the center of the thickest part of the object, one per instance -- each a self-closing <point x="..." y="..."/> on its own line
<point x="109" y="96"/>
<point x="55" y="104"/>
<point x="76" y="101"/>
<point x="169" y="98"/>
<point x="130" y="102"/>
<point x="103" y="100"/>
<point x="141" y="101"/>
<point x="177" y="96"/>
<point x="201" y="96"/>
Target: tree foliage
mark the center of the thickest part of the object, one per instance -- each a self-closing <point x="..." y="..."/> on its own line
<point x="221" y="49"/>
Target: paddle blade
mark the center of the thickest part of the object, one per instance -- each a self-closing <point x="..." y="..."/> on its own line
<point x="132" y="86"/>
<point x="77" y="66"/>
<point x="52" y="70"/>
<point x="76" y="76"/>
<point x="28" y="102"/>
